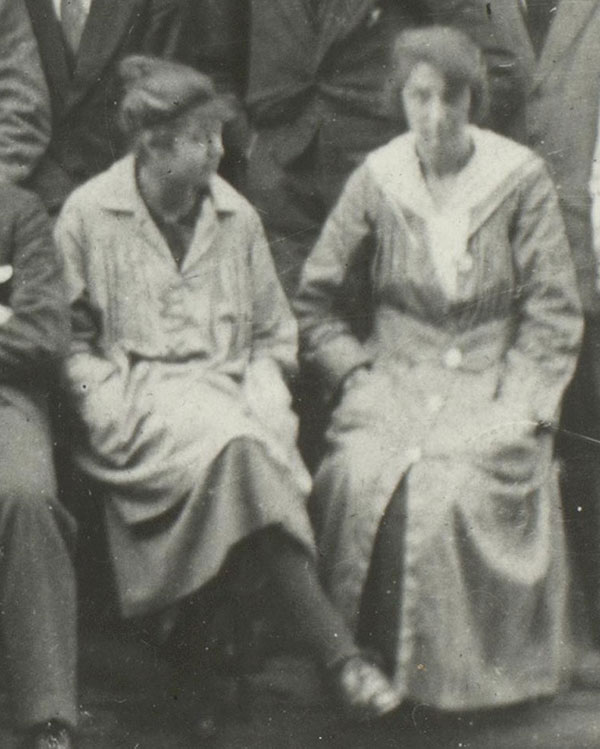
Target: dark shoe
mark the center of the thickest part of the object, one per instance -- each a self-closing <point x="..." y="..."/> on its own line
<point x="50" y="736"/>
<point x="362" y="689"/>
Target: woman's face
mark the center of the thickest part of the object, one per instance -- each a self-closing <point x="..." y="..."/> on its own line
<point x="437" y="114"/>
<point x="195" y="150"/>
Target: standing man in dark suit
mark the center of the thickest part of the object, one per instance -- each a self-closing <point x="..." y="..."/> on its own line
<point x="80" y="44"/>
<point x="556" y="45"/>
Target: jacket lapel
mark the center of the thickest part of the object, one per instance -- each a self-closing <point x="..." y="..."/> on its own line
<point x="106" y="25"/>
<point x="513" y="33"/>
<point x="51" y="45"/>
<point x="570" y="21"/>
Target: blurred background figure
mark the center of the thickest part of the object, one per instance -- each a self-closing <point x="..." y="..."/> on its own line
<point x="81" y="43"/>
<point x="555" y="45"/>
<point x="25" y="111"/>
<point x="436" y="504"/>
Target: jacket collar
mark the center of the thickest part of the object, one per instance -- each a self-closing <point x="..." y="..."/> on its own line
<point x="107" y="23"/>
<point x="120" y="193"/>
<point x="51" y="47"/>
<point x="496" y="167"/>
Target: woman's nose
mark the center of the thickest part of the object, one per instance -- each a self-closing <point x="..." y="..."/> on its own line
<point x="216" y="145"/>
<point x="437" y="111"/>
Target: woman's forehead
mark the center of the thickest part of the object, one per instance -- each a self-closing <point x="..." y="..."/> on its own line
<point x="424" y="74"/>
<point x="198" y="120"/>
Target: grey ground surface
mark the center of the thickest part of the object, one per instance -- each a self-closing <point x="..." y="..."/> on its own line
<point x="130" y="701"/>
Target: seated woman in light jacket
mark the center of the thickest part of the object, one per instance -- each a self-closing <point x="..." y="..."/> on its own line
<point x="436" y="504"/>
<point x="183" y="342"/>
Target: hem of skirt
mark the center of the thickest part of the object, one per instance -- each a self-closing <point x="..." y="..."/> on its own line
<point x="132" y="607"/>
<point x="490" y="701"/>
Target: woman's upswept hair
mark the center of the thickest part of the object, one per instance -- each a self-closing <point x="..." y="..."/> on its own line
<point x="157" y="91"/>
<point x="458" y="59"/>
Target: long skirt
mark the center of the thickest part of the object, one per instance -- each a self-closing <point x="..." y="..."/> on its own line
<point x="188" y="472"/>
<point x="478" y="595"/>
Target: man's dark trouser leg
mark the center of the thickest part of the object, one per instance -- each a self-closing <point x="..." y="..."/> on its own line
<point x="581" y="487"/>
<point x="37" y="580"/>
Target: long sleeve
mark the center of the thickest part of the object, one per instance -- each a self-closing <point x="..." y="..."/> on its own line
<point x="86" y="369"/>
<point x="34" y="339"/>
<point x="70" y="241"/>
<point x="329" y="344"/>
<point x="274" y="348"/>
<point x="543" y="356"/>
<point x="274" y="328"/>
<point x="25" y="112"/>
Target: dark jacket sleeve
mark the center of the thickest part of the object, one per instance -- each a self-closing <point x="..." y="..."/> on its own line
<point x="34" y="339"/>
<point x="25" y="103"/>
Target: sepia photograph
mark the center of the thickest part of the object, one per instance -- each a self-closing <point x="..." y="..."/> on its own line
<point x="300" y="374"/>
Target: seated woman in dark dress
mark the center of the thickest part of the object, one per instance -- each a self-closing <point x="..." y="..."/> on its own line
<point x="183" y="342"/>
<point x="437" y="507"/>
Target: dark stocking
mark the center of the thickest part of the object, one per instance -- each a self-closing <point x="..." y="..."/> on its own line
<point x="310" y="613"/>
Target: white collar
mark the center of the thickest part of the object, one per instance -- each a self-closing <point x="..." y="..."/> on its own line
<point x="496" y="167"/>
<point x="119" y="190"/>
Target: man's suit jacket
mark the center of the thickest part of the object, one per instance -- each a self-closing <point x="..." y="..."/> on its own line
<point x="85" y="92"/>
<point x="299" y="73"/>
<point x="24" y="100"/>
<point x="559" y="118"/>
<point x="332" y="73"/>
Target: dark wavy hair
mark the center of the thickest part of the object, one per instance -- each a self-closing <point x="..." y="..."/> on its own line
<point x="458" y="59"/>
